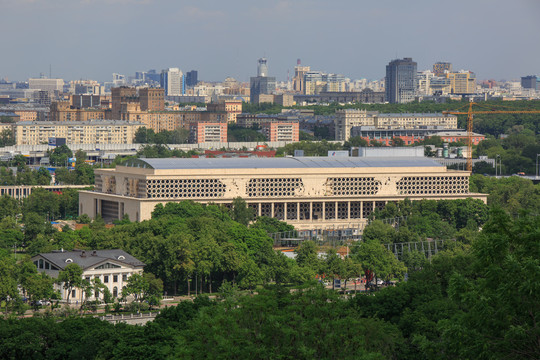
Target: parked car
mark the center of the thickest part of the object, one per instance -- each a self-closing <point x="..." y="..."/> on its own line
<point x="41" y="303"/>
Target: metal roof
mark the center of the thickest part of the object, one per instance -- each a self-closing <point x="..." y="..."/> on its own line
<point x="89" y="258"/>
<point x="280" y="163"/>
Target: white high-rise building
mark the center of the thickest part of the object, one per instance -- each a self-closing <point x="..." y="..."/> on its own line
<point x="46" y="84"/>
<point x="172" y="80"/>
<point x="262" y="68"/>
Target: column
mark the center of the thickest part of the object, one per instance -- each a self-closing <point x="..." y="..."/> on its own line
<point x="259" y="209"/>
<point x="324" y="210"/>
<point x="273" y="215"/>
<point x="336" y="210"/>
<point x="311" y="211"/>
<point x="297" y="211"/>
<point x="348" y="210"/>
<point x="361" y="209"/>
<point x="284" y="211"/>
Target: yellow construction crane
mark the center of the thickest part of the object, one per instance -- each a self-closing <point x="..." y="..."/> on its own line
<point x="470" y="114"/>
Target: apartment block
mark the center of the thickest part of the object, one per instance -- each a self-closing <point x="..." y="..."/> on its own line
<point x="63" y="111"/>
<point x="76" y="132"/>
<point x="152" y="99"/>
<point x="281" y="131"/>
<point x="231" y="107"/>
<point x="348" y="119"/>
<point x="208" y="131"/>
<point x="462" y="82"/>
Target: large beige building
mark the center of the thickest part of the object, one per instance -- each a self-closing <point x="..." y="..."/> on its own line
<point x="346" y="119"/>
<point x="231" y="107"/>
<point x="112" y="267"/>
<point x="63" y="111"/>
<point x="462" y="82"/>
<point x="306" y="192"/>
<point x="76" y="132"/>
<point x="46" y="84"/>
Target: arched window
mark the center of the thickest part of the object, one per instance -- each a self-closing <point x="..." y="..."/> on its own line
<point x="115" y="291"/>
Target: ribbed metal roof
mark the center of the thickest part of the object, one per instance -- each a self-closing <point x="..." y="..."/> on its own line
<point x="280" y="163"/>
<point x="89" y="258"/>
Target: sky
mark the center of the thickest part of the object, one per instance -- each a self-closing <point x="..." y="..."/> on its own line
<point x="91" y="39"/>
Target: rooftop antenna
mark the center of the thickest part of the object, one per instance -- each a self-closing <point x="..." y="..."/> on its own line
<point x="50" y="71"/>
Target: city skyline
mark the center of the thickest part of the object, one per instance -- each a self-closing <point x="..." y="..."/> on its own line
<point x="91" y="40"/>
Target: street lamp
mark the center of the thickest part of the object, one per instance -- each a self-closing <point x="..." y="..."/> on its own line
<point x="496" y="160"/>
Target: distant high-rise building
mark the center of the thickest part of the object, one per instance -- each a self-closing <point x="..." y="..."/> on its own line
<point x="262" y="68"/>
<point x="152" y="75"/>
<point x="261" y="84"/>
<point x="530" y="82"/>
<point x="120" y="95"/>
<point x="191" y="78"/>
<point x="172" y="80"/>
<point x="401" y="81"/>
<point x="298" y="80"/>
<point x="439" y="68"/>
<point x="462" y="82"/>
<point x="152" y="99"/>
<point x="46" y="84"/>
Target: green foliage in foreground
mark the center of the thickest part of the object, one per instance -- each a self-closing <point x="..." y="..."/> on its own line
<point x="477" y="302"/>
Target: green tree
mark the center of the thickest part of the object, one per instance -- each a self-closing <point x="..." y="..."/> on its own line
<point x="500" y="305"/>
<point x="137" y="286"/>
<point x="8" y="280"/>
<point x="71" y="278"/>
<point x="39" y="286"/>
<point x="240" y="212"/>
<point x="307" y="255"/>
<point x="144" y="135"/>
<point x="9" y="207"/>
<point x="60" y="155"/>
<point x="7" y="138"/>
<point x="375" y="258"/>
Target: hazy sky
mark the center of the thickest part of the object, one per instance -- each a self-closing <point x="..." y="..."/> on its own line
<point x="91" y="39"/>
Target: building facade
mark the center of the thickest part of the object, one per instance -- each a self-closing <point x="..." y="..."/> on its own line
<point x="305" y="192"/>
<point x="400" y="81"/>
<point x="411" y="136"/>
<point x="530" y="82"/>
<point x="50" y="85"/>
<point x="152" y="99"/>
<point x="76" y="132"/>
<point x="64" y="111"/>
<point x="231" y="107"/>
<point x="441" y="67"/>
<point x="207" y="131"/>
<point x="112" y="267"/>
<point x="462" y="82"/>
<point x="281" y="131"/>
<point x="347" y="119"/>
<point x="192" y="78"/>
<point x="172" y="80"/>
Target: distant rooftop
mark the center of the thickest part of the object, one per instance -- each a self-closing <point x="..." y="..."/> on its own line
<point x="280" y="163"/>
<point x="89" y="258"/>
<point x="93" y="122"/>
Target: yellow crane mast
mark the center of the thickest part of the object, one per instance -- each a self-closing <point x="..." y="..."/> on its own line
<point x="470" y="113"/>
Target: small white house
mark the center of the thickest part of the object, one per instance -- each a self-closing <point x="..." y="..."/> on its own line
<point x="112" y="267"/>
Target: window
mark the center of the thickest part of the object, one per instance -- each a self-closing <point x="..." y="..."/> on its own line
<point x="107" y="266"/>
<point x="124" y="277"/>
<point x="115" y="278"/>
<point x="41" y="263"/>
<point x="73" y="293"/>
<point x="106" y="279"/>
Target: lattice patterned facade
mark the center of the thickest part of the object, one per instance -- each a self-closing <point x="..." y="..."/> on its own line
<point x="304" y="197"/>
